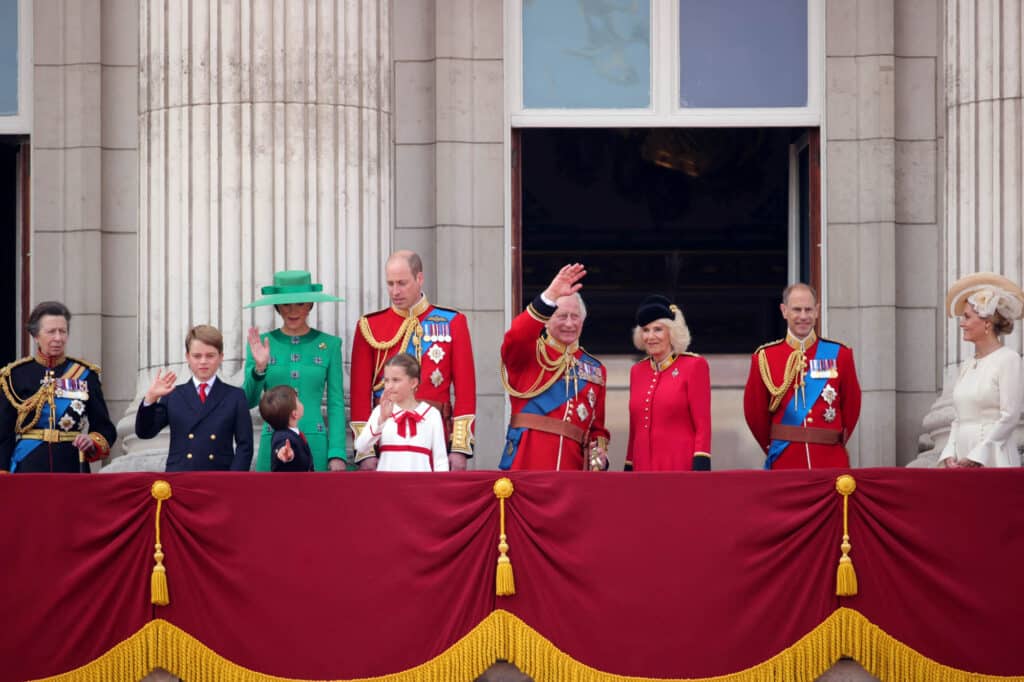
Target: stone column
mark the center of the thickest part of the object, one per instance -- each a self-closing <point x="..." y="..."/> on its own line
<point x="983" y="170"/>
<point x="264" y="144"/>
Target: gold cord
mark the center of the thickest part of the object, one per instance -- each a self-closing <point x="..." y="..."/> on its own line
<point x="557" y="368"/>
<point x="410" y="328"/>
<point x="794" y="373"/>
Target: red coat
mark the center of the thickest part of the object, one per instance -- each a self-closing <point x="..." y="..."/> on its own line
<point x="845" y="404"/>
<point x="446" y="366"/>
<point x="539" y="449"/>
<point x="669" y="414"/>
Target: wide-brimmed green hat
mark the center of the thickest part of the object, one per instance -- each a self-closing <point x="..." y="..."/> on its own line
<point x="292" y="286"/>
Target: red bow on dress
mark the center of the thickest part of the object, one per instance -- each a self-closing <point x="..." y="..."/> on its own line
<point x="406" y="421"/>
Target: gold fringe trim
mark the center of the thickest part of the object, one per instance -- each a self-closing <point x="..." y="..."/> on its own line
<point x="504" y="580"/>
<point x="846" y="577"/>
<point x="503" y="636"/>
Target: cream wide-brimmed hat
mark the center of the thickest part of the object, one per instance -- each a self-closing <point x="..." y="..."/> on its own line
<point x="987" y="292"/>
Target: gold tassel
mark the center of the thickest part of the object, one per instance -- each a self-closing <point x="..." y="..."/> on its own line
<point x="159" y="594"/>
<point x="846" y="577"/>
<point x="504" y="582"/>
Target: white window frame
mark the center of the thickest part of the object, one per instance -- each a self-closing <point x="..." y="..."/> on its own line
<point x="664" y="108"/>
<point x="21" y="123"/>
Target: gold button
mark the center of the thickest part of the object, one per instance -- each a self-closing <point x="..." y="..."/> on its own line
<point x="211" y="457"/>
<point x="191" y="436"/>
<point x="810" y="419"/>
<point x="213" y="436"/>
<point x="188" y="456"/>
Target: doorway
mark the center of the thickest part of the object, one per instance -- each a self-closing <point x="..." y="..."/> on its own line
<point x="719" y="220"/>
<point x="13" y="221"/>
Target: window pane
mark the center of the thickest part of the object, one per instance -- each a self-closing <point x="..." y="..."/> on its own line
<point x="8" y="57"/>
<point x="586" y="54"/>
<point x="743" y="53"/>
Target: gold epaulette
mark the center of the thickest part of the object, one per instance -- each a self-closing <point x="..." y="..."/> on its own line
<point x="364" y="328"/>
<point x="692" y="355"/>
<point x="89" y="365"/>
<point x="766" y="345"/>
<point x="7" y="368"/>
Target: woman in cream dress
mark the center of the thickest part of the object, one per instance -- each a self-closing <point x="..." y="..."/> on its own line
<point x="987" y="396"/>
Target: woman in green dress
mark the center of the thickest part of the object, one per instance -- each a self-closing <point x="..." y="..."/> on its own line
<point x="304" y="358"/>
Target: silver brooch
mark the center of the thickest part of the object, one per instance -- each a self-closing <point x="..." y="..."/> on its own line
<point x="436" y="353"/>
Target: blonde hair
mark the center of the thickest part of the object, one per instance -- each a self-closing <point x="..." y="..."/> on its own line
<point x="678" y="333"/>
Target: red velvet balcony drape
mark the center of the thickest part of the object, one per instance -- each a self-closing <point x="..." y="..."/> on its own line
<point x="323" y="576"/>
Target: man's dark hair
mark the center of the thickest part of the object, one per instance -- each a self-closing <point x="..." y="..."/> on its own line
<point x="277" y="405"/>
<point x="46" y="308"/>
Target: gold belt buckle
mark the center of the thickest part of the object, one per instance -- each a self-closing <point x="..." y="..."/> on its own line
<point x="51" y="436"/>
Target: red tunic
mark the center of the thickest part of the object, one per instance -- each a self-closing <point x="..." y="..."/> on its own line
<point x="669" y="414"/>
<point x="445" y="367"/>
<point x="845" y="404"/>
<point x="539" y="449"/>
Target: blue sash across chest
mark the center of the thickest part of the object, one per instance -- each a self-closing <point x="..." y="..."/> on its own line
<point x="796" y="410"/>
<point x="559" y="393"/>
<point x="26" y="445"/>
<point x="432" y="326"/>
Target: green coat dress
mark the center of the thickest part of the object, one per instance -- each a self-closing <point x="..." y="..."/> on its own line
<point x="307" y="363"/>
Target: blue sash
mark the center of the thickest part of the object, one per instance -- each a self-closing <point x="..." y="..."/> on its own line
<point x="24" y="446"/>
<point x="448" y="316"/>
<point x="558" y="394"/>
<point x="429" y="327"/>
<point x="795" y="414"/>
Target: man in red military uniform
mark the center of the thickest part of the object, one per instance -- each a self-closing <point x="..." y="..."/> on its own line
<point x="557" y="389"/>
<point x="802" y="398"/>
<point x="437" y="337"/>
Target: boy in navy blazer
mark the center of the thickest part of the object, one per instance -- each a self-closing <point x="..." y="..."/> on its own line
<point x="281" y="408"/>
<point x="211" y="429"/>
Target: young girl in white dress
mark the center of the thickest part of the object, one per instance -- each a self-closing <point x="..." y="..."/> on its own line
<point x="410" y="432"/>
<point x="988" y="395"/>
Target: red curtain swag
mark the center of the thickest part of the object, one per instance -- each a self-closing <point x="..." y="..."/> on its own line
<point x="687" y="575"/>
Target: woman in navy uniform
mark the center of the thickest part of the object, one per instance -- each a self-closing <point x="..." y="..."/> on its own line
<point x="47" y="401"/>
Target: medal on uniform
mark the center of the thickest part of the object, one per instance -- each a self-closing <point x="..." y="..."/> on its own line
<point x="828" y="394"/>
<point x="436" y="378"/>
<point x="447" y="333"/>
<point x="675" y="371"/>
<point x="436" y="353"/>
<point x="591" y="397"/>
<point x="823" y="369"/>
<point x="66" y="423"/>
<point x="74" y="389"/>
<point x="78" y="406"/>
<point x="581" y="412"/>
<point x="428" y="332"/>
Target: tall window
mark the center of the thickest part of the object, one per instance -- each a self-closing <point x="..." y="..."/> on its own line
<point x="665" y="143"/>
<point x="9" y="57"/>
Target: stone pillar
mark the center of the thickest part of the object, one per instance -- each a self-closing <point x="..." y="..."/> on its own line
<point x="449" y="83"/>
<point x="264" y="144"/>
<point x="984" y="171"/>
<point x="84" y="168"/>
<point x="861" y="211"/>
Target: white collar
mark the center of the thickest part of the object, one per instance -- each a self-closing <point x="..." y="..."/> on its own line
<point x="209" y="382"/>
